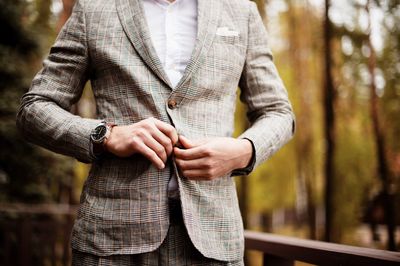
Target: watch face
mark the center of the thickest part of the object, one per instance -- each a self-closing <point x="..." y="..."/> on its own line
<point x="99" y="133"/>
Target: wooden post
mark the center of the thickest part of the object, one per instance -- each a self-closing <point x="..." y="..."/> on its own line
<point x="270" y="260"/>
<point x="24" y="246"/>
<point x="69" y="222"/>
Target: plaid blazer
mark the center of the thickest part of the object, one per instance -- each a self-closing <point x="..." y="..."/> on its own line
<point x="124" y="206"/>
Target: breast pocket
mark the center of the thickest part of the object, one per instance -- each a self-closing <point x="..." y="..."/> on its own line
<point x="232" y="40"/>
<point x="227" y="55"/>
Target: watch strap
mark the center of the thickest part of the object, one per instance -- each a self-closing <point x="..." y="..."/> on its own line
<point x="97" y="148"/>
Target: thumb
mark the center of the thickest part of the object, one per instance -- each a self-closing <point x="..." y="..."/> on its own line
<point x="186" y="143"/>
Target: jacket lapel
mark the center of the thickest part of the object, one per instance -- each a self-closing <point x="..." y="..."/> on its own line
<point x="132" y="17"/>
<point x="207" y="22"/>
<point x="133" y="20"/>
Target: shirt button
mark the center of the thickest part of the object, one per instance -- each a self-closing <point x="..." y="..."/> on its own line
<point x="172" y="104"/>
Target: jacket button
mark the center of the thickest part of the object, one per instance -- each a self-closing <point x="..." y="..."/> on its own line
<point x="172" y="104"/>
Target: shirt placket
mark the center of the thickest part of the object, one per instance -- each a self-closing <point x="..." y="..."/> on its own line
<point x="172" y="53"/>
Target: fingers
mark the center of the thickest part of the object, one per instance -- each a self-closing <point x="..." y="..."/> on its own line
<point x="199" y="174"/>
<point x="192" y="149"/>
<point x="158" y="133"/>
<point x="148" y="153"/>
<point x="202" y="163"/>
<point x="185" y="142"/>
<point x="198" y="169"/>
<point x="151" y="137"/>
<point x="158" y="148"/>
<point x="195" y="163"/>
<point x="202" y="159"/>
<point x="191" y="154"/>
<point x="163" y="140"/>
<point x="163" y="132"/>
<point x="168" y="130"/>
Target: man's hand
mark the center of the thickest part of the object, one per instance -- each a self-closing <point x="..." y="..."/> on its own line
<point x="208" y="159"/>
<point x="152" y="138"/>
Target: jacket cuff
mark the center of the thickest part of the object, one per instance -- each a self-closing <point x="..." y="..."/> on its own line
<point x="79" y="135"/>
<point x="249" y="168"/>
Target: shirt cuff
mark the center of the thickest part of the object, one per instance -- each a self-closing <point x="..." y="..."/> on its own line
<point x="249" y="168"/>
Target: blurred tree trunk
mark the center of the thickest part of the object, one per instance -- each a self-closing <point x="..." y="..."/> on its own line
<point x="378" y="130"/>
<point x="43" y="8"/>
<point x="299" y="39"/>
<point x="329" y="114"/>
<point x="261" y="6"/>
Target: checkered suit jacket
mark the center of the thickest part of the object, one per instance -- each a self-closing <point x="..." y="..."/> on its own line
<point x="124" y="201"/>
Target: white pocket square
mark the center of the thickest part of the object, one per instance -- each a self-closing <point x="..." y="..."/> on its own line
<point x="225" y="31"/>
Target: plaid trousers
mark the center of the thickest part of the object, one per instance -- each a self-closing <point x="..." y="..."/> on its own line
<point x="176" y="250"/>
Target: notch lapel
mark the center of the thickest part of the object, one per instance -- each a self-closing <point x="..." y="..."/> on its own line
<point x="133" y="20"/>
<point x="208" y="13"/>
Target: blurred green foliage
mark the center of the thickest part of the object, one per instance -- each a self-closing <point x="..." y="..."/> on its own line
<point x="27" y="172"/>
<point x="293" y="179"/>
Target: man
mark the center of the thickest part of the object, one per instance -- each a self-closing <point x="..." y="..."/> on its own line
<point x="164" y="75"/>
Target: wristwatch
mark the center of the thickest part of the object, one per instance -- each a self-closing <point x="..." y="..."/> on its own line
<point x="101" y="132"/>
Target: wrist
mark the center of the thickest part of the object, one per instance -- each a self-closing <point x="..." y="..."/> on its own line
<point x="246" y="153"/>
<point x="106" y="141"/>
<point x="246" y="161"/>
<point x="110" y="127"/>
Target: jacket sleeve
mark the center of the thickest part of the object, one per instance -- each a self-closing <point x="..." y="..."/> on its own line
<point x="43" y="117"/>
<point x="269" y="112"/>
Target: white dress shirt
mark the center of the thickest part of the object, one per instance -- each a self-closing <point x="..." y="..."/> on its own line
<point x="173" y="31"/>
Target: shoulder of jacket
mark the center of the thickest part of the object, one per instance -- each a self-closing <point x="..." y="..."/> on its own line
<point x="92" y="2"/>
<point x="244" y="4"/>
<point x="238" y="6"/>
<point x="96" y="5"/>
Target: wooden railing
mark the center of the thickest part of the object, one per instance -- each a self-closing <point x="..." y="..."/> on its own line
<point x="284" y="251"/>
<point x="50" y="226"/>
<point x="35" y="234"/>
